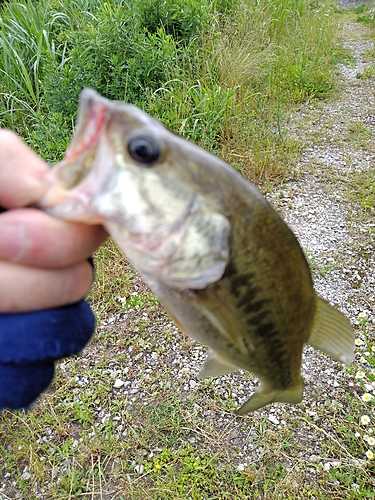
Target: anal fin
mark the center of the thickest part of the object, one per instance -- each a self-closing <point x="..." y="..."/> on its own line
<point x="262" y="398"/>
<point x="332" y="333"/>
<point x="215" y="367"/>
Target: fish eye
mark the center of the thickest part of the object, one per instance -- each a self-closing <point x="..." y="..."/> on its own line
<point x="144" y="149"/>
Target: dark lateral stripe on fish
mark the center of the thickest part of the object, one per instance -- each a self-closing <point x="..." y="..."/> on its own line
<point x="257" y="318"/>
<point x="275" y="347"/>
<point x="277" y="354"/>
<point x="276" y="357"/>
<point x="254" y="306"/>
<point x="241" y="286"/>
<point x="239" y="282"/>
<point x="266" y="330"/>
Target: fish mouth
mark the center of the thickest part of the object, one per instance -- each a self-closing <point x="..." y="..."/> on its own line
<point x="74" y="182"/>
<point x="90" y="123"/>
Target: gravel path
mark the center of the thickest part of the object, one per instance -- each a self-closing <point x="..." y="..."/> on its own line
<point x="333" y="232"/>
<point x="337" y="238"/>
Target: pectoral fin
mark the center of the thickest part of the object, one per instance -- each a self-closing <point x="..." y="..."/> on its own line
<point x="332" y="333"/>
<point x="224" y="319"/>
<point x="215" y="367"/>
<point x="262" y="398"/>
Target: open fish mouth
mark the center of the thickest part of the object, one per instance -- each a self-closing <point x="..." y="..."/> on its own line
<point x="74" y="182"/>
<point x="90" y="124"/>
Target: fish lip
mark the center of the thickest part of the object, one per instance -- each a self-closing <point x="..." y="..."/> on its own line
<point x="60" y="202"/>
<point x="91" y="121"/>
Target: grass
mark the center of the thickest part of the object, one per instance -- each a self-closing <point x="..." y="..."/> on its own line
<point x="128" y="419"/>
<point x="323" y="268"/>
<point x="80" y="444"/>
<point x="160" y="437"/>
<point x="110" y="284"/>
<point x="362" y="189"/>
<point x="224" y="74"/>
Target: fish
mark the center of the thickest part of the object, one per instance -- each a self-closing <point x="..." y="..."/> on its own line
<point x="227" y="269"/>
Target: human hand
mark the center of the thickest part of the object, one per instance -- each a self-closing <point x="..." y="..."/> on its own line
<point x="43" y="260"/>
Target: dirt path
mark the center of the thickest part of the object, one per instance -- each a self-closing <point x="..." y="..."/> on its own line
<point x="337" y="235"/>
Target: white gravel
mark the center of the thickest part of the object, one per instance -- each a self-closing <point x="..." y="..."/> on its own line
<point x="330" y="229"/>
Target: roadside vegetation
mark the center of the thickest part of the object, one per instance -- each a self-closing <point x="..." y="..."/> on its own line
<point x="127" y="419"/>
<point x="223" y="73"/>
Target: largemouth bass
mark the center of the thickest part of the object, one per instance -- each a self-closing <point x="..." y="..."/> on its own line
<point x="225" y="266"/>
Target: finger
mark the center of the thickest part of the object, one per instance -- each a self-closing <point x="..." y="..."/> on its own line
<point x="29" y="289"/>
<point x="31" y="237"/>
<point x="22" y="173"/>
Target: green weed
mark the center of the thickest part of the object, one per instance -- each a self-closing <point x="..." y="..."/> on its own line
<point x="202" y="111"/>
<point x="361" y="189"/>
<point x="184" y="20"/>
<point x="365" y="14"/>
<point x="320" y="268"/>
<point x="369" y="72"/>
<point x="223" y="74"/>
<point x="113" y="275"/>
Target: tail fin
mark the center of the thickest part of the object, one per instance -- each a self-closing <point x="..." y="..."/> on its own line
<point x="332" y="333"/>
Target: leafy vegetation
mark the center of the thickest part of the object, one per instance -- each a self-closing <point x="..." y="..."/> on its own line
<point x="362" y="189"/>
<point x="221" y="73"/>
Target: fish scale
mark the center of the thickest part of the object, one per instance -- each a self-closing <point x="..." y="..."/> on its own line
<point x="227" y="269"/>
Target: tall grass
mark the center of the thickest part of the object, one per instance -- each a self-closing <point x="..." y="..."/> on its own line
<point x="222" y="73"/>
<point x="278" y="53"/>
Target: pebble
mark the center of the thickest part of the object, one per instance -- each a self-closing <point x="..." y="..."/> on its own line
<point x="273" y="419"/>
<point x="330" y="465"/>
<point x="139" y="468"/>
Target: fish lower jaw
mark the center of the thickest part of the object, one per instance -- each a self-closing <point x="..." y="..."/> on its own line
<point x="72" y="208"/>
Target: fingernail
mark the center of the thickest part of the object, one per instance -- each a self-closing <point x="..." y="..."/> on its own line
<point x="12" y="241"/>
